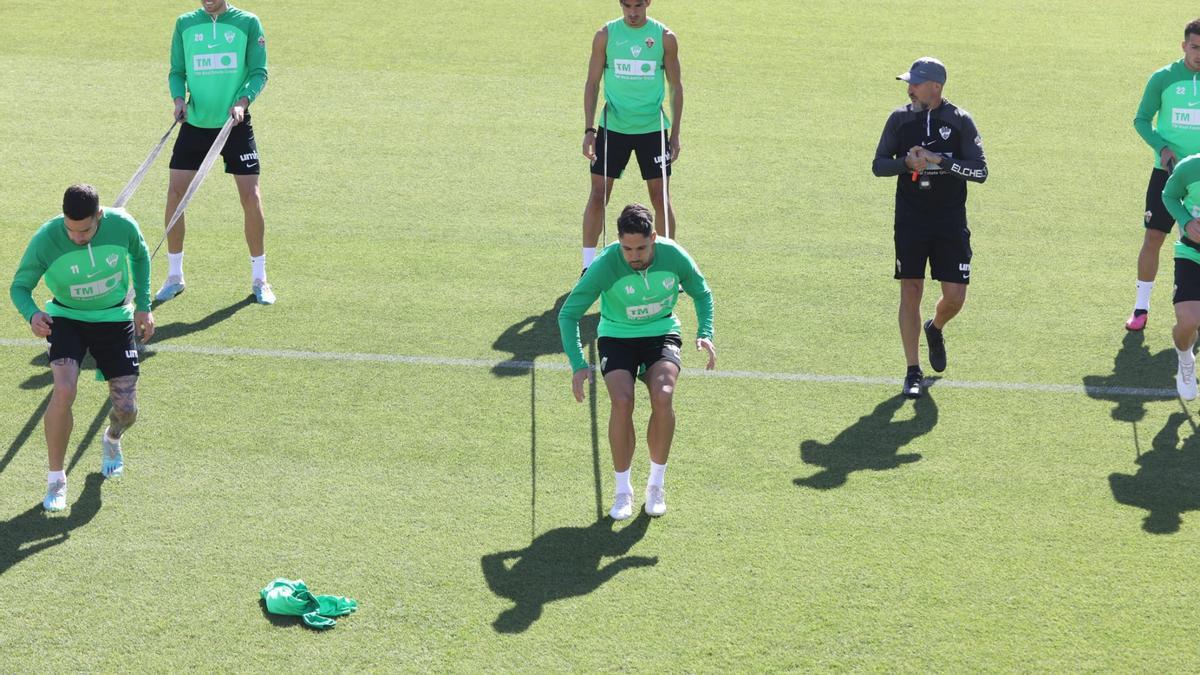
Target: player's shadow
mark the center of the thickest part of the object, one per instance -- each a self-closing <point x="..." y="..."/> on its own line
<point x="872" y="443"/>
<point x="1137" y="376"/>
<point x="43" y="379"/>
<point x="1167" y="482"/>
<point x="33" y="531"/>
<point x="535" y="336"/>
<point x="563" y="563"/>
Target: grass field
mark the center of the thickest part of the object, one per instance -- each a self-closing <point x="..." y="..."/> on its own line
<point x="423" y="189"/>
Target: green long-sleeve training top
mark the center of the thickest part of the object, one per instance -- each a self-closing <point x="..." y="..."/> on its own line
<point x="635" y="303"/>
<point x="106" y="279"/>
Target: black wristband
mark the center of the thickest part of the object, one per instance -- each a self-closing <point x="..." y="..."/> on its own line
<point x="591" y="129"/>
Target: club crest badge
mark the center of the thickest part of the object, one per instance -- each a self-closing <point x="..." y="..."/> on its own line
<point x="636" y="51"/>
<point x="262" y="41"/>
<point x="230" y="36"/>
<point x="944" y="132"/>
<point x="668" y="284"/>
<point x="649" y="43"/>
<point x="112" y="260"/>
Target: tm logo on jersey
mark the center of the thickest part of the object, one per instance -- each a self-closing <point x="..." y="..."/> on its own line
<point x="96" y="288"/>
<point x="208" y="63"/>
<point x="633" y="69"/>
<point x="1185" y="117"/>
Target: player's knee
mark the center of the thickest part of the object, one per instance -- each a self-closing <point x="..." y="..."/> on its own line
<point x="662" y="398"/>
<point x="622" y="404"/>
<point x="64" y="393"/>
<point x="596" y="197"/>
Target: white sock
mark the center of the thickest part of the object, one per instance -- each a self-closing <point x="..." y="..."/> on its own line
<point x="1186" y="355"/>
<point x="589" y="254"/>
<point x="258" y="267"/>
<point x="657" y="473"/>
<point x="55" y="476"/>
<point x="175" y="264"/>
<point x="623" y="485"/>
<point x="110" y="437"/>
<point x="1143" y="295"/>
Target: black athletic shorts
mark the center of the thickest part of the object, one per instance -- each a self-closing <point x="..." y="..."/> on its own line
<point x="110" y="342"/>
<point x="647" y="146"/>
<point x="240" y="152"/>
<point x="629" y="353"/>
<point x="1187" y="280"/>
<point x="1157" y="217"/>
<point x="946" y="247"/>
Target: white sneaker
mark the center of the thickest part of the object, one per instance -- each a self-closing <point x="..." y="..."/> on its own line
<point x="1185" y="380"/>
<point x="112" y="463"/>
<point x="263" y="294"/>
<point x="622" y="508"/>
<point x="172" y="287"/>
<point x="656" y="500"/>
<point x="56" y="496"/>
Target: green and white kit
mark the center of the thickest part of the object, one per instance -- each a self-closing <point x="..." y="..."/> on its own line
<point x="635" y="303"/>
<point x="218" y="60"/>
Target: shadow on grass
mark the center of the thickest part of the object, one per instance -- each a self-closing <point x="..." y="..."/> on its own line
<point x="1136" y="374"/>
<point x="34" y="531"/>
<point x="872" y="443"/>
<point x="563" y="563"/>
<point x="535" y="336"/>
<point x="1167" y="482"/>
<point x="44" y="379"/>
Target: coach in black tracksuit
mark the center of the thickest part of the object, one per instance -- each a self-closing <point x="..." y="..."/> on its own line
<point x="934" y="148"/>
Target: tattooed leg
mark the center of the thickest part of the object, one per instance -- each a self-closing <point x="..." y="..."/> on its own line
<point x="122" y="391"/>
<point x="58" y="419"/>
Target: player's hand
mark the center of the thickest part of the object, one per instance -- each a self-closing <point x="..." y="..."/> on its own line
<point x="1168" y="158"/>
<point x="143" y="325"/>
<point x="40" y="324"/>
<point x="929" y="157"/>
<point x="238" y="111"/>
<point x="708" y="346"/>
<point x="180" y="110"/>
<point x="1193" y="229"/>
<point x="589" y="145"/>
<point x="674" y="148"/>
<point x="577" y="379"/>
<point x="913" y="160"/>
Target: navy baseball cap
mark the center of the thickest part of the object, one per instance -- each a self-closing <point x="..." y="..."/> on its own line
<point x="925" y="69"/>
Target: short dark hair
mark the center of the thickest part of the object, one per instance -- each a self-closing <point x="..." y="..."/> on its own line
<point x="81" y="201"/>
<point x="635" y="219"/>
<point x="1192" y="28"/>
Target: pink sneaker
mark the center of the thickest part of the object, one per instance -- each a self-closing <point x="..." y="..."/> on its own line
<point x="1137" y="321"/>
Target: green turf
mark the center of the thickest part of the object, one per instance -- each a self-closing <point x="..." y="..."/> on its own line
<point x="423" y="190"/>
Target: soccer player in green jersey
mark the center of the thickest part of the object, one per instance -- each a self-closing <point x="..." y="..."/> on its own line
<point x="635" y="55"/>
<point x="638" y="279"/>
<point x="1168" y="120"/>
<point x="219" y="59"/>
<point x="95" y="264"/>
<point x="1181" y="198"/>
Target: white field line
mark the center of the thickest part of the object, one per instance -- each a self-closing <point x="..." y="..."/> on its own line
<point x="563" y="367"/>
